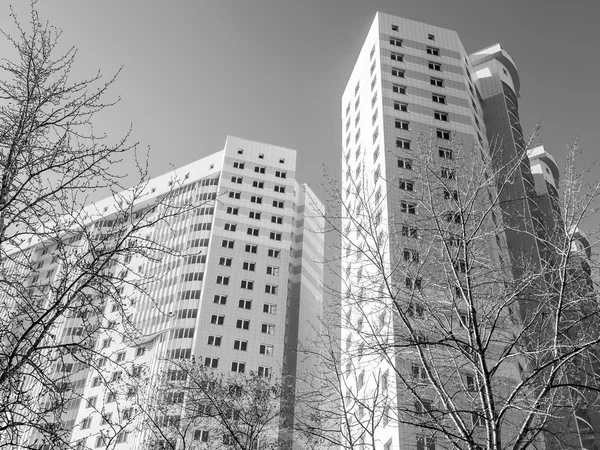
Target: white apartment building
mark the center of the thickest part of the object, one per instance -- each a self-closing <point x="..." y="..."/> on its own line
<point x="242" y="303"/>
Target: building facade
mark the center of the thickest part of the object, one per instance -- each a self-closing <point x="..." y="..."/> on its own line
<point x="418" y="113"/>
<point x="238" y="294"/>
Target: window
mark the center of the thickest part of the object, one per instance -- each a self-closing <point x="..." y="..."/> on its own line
<point x="448" y="173"/>
<point x="408" y="208"/>
<point x="418" y="372"/>
<point x="211" y="362"/>
<point x="436" y="82"/>
<point x="280" y="174"/>
<point x="244" y="304"/>
<point x="100" y="441"/>
<point x="251" y="231"/>
<point x="470" y="382"/>
<point x="225" y="261"/>
<point x="235" y="194"/>
<point x="445" y="153"/>
<point x="112" y="397"/>
<point x="403" y="143"/>
<point x="222" y="279"/>
<point x="437" y="98"/>
<point x="461" y="266"/>
<point x="247" y="284"/>
<point x="255" y="199"/>
<point x="397" y="57"/>
<point x="240" y="345"/>
<point x="434" y="66"/>
<point x="269" y="308"/>
<point x="425" y="443"/>
<point x="231" y="210"/>
<point x="401" y="124"/>
<point x="120" y="356"/>
<point x="272" y="270"/>
<point x="433" y="51"/>
<point x="454" y="217"/>
<point x="417" y="283"/>
<point x="277" y="219"/>
<point x="431" y="37"/>
<point x="214" y="340"/>
<point x="280" y="189"/>
<point x="95" y="381"/>
<point x="438" y="115"/>
<point x="240" y="151"/>
<point x="251" y="248"/>
<point x="394" y="27"/>
<point x="259" y="169"/>
<point x="265" y="349"/>
<point x="242" y="324"/>
<point x="442" y="134"/>
<point x="254" y="215"/>
<point x="238" y="367"/>
<point x="396" y="42"/>
<point x="86" y="423"/>
<point x="270" y="289"/>
<point x="399" y="89"/>
<point x="410" y="255"/>
<point x="237" y="180"/>
<point x="400" y="106"/>
<point x="405" y="163"/>
<point x="408" y="231"/>
<point x="226" y="243"/>
<point x="275" y="236"/>
<point x="281" y="160"/>
<point x="450" y="195"/>
<point x="258" y="184"/>
<point x="267" y="328"/>
<point x="249" y="266"/>
<point x="217" y="319"/>
<point x="106" y="419"/>
<point x="277" y="204"/>
<point x="230" y="226"/>
<point x="264" y="371"/>
<point x="238" y="165"/>
<point x="220" y="299"/>
<point x="273" y="253"/>
<point x="397" y="72"/>
<point x="406" y="185"/>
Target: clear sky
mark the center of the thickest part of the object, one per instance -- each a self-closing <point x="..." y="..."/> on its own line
<point x="274" y="70"/>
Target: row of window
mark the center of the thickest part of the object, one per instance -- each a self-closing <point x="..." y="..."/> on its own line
<point x="247" y="284"/>
<point x="260" y="155"/>
<point x="237" y="366"/>
<point x="259" y="169"/>
<point x="237" y="195"/>
<point x="235" y="210"/>
<point x="248" y="265"/>
<point x="242" y="324"/>
<point x="268" y="308"/>
<point x="241" y="345"/>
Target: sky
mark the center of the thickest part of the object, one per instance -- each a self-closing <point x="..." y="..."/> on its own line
<point x="274" y="70"/>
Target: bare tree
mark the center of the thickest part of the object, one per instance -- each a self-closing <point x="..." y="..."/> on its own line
<point x="68" y="274"/>
<point x="197" y="407"/>
<point x="476" y="305"/>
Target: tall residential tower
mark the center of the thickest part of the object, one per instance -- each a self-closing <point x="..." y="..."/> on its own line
<point x="418" y="112"/>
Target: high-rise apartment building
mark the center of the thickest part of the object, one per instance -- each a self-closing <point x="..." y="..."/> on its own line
<point x="241" y="303"/>
<point x="413" y="88"/>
